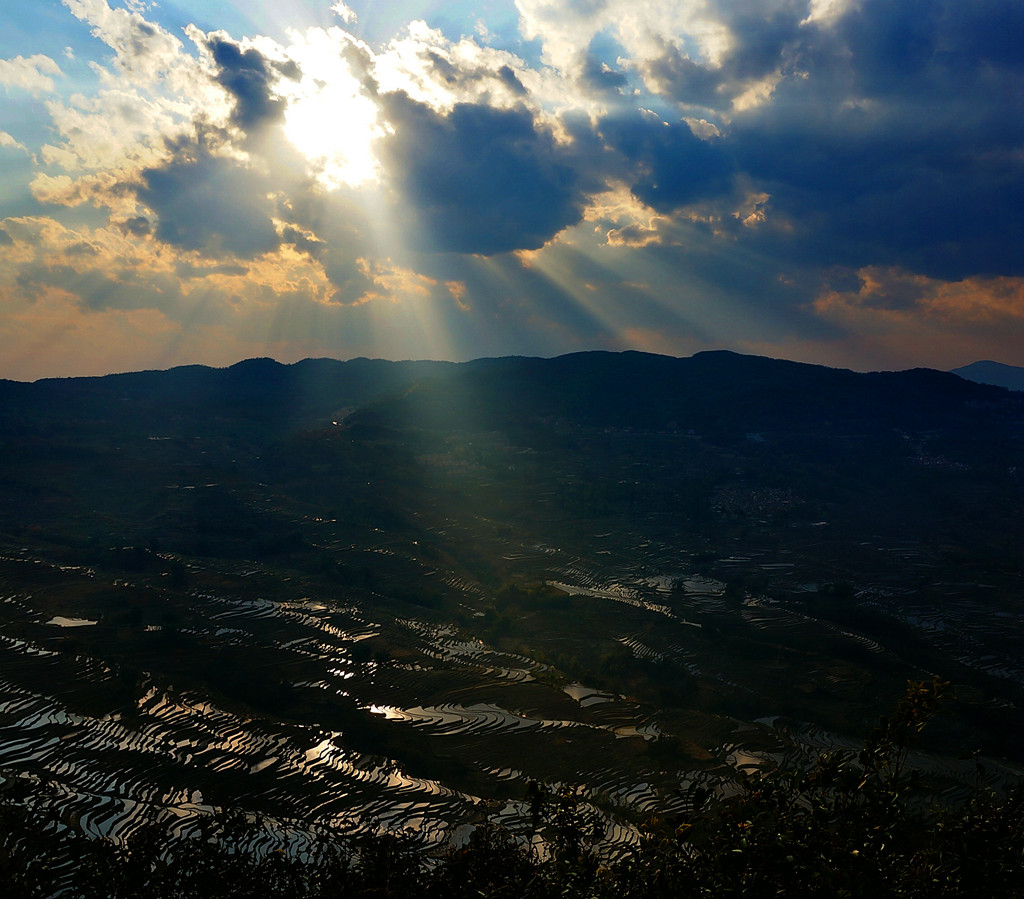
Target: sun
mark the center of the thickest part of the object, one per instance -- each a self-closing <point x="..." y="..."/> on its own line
<point x="330" y="119"/>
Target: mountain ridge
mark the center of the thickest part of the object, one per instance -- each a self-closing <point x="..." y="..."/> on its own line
<point x="710" y="390"/>
<point x="995" y="373"/>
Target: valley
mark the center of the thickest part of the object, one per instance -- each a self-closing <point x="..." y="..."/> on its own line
<point x="404" y="604"/>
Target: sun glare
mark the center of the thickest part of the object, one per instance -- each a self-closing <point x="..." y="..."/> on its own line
<point x="329" y="119"/>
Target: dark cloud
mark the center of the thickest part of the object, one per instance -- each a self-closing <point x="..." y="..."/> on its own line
<point x="209" y="203"/>
<point x="926" y="51"/>
<point x="81" y="248"/>
<point x="303" y="241"/>
<point x="100" y="285"/>
<point x="763" y="40"/>
<point x="5" y="238"/>
<point x="459" y="77"/>
<point x="905" y="151"/>
<point x="480" y="180"/>
<point x="680" y="78"/>
<point x="761" y="44"/>
<point x="894" y="294"/>
<point x="443" y="68"/>
<point x="336" y="230"/>
<point x="348" y="277"/>
<point x="988" y="32"/>
<point x="892" y="135"/>
<point x="669" y="165"/>
<point x="249" y="76"/>
<point x="136" y="226"/>
<point x="960" y="56"/>
<point x="598" y="75"/>
<point x="511" y="81"/>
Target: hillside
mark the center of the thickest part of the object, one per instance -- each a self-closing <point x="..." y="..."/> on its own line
<point x="393" y="594"/>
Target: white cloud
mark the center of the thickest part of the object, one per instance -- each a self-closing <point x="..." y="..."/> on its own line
<point x="7" y="141"/>
<point x="34" y="73"/>
<point x="143" y="51"/>
<point x="344" y="12"/>
<point x="116" y="127"/>
<point x="433" y="70"/>
<point x="567" y="28"/>
<point x="152" y="91"/>
<point x="827" y="12"/>
<point x="757" y="93"/>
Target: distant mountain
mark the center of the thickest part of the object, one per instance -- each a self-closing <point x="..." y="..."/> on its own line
<point x="261" y="396"/>
<point x="987" y="372"/>
<point x="717" y="393"/>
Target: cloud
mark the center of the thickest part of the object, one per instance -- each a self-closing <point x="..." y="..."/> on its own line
<point x="344" y="12"/>
<point x="67" y="293"/>
<point x="336" y="233"/>
<point x="304" y="241"/>
<point x="598" y="75"/>
<point x="883" y="292"/>
<point x="877" y="133"/>
<point x="248" y="76"/>
<point x="119" y="266"/>
<point x="862" y="121"/>
<point x="136" y="226"/>
<point x="118" y="126"/>
<point x="108" y="189"/>
<point x="34" y="74"/>
<point x="667" y="164"/>
<point x="151" y="90"/>
<point x="142" y="49"/>
<point x="511" y="81"/>
<point x="891" y="313"/>
<point x="213" y="204"/>
<point x="7" y="141"/>
<point x="479" y="179"/>
<point x="800" y="171"/>
<point x="640" y="30"/>
<point x="897" y="146"/>
<point x="95" y="268"/>
<point x="429" y="68"/>
<point x="675" y="75"/>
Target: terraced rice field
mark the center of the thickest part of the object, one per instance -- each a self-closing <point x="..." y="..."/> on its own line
<point x="462" y="727"/>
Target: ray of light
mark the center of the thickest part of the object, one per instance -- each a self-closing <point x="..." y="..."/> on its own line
<point x="621" y="298"/>
<point x="533" y="305"/>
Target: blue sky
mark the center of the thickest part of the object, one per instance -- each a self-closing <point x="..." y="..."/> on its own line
<point x="836" y="181"/>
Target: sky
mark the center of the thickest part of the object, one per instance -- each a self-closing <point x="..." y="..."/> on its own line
<point x="203" y="181"/>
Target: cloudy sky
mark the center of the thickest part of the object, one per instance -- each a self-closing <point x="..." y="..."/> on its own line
<point x="834" y="181"/>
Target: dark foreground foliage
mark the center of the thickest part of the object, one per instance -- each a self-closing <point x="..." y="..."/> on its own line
<point x="846" y="825"/>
